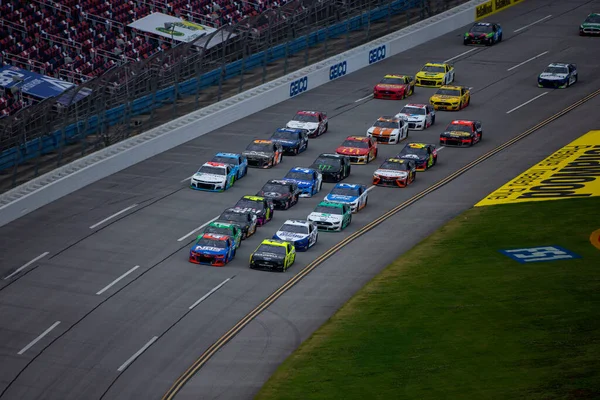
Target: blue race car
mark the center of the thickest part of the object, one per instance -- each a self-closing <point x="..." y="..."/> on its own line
<point x="309" y="180"/>
<point x="302" y="233"/>
<point x="355" y="195"/>
<point x="293" y="141"/>
<point x="213" y="249"/>
<point x="239" y="163"/>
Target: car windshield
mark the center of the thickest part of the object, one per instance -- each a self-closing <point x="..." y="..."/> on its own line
<point x="225" y="160"/>
<point x="435" y="69"/>
<point x="386" y="124"/>
<point x="593" y="19"/>
<point x="448" y="92"/>
<point x="409" y="150"/>
<point x="246" y="203"/>
<point x="276" y="188"/>
<point x="218" y="230"/>
<point x="392" y="81"/>
<point x="206" y="169"/>
<point x="413" y="110"/>
<point x="234" y="216"/>
<point x="306" y="118"/>
<point x="556" y="70"/>
<point x="344" y="191"/>
<point x="301" y="176"/>
<point x="260" y="147"/>
<point x="459" y="128"/>
<point x="355" y="143"/>
<point x="285" y="135"/>
<point x="268" y="248"/>
<point x="481" y="29"/>
<point x="329" y="210"/>
<point x="221" y="244"/>
<point x="331" y="162"/>
<point x="395" y="166"/>
<point x="294" y="228"/>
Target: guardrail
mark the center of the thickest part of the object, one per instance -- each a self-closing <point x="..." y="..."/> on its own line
<point x="78" y="174"/>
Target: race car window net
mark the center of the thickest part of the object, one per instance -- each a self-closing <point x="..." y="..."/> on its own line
<point x="448" y="92"/>
<point x="217" y="230"/>
<point x="220" y="244"/>
<point x="329" y="210"/>
<point x="356" y="144"/>
<point x="392" y="81"/>
<point x="285" y="135"/>
<point x="261" y="147"/>
<point x="267" y="248"/>
<point x="205" y="169"/>
<point x="254" y="205"/>
<point x="276" y="188"/>
<point x="334" y="162"/>
<point x="413" y="110"/>
<point x="345" y="191"/>
<point x="306" y="118"/>
<point x="431" y="68"/>
<point x="556" y="70"/>
<point x="225" y="160"/>
<point x="593" y="19"/>
<point x="395" y="166"/>
<point x="301" y="176"/>
<point x="481" y="29"/>
<point x="294" y="228"/>
<point x="459" y="128"/>
<point x="386" y="124"/>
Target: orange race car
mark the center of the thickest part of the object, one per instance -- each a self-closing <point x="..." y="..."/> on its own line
<point x="360" y="149"/>
<point x="394" y="87"/>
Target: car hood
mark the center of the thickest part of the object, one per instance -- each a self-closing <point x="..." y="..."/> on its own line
<point x="267" y="256"/>
<point x="413" y="157"/>
<point x="257" y="154"/>
<point x="352" y="151"/>
<point x="590" y="25"/>
<point x="291" y="236"/>
<point x="389" y="86"/>
<point x="444" y="97"/>
<point x="311" y="126"/>
<point x="412" y="117"/>
<point x="300" y="183"/>
<point x="274" y="195"/>
<point x="390" y="173"/>
<point x="340" y="198"/>
<point x="377" y="131"/>
<point x="553" y="77"/>
<point x="208" y="250"/>
<point x="209" y="178"/>
<point x="322" y="217"/>
<point x="431" y="75"/>
<point x="456" y="133"/>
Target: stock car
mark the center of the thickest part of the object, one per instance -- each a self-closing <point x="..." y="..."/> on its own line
<point x="315" y="122"/>
<point x="333" y="167"/>
<point x="355" y="195"/>
<point x="591" y="25"/>
<point x="234" y="231"/>
<point x="213" y="177"/>
<point x="212" y="249"/>
<point x="293" y="141"/>
<point x="263" y="153"/>
<point x="389" y="130"/>
<point x="360" y="149"/>
<point x="394" y="87"/>
<point x="238" y="162"/>
<point x="301" y="233"/>
<point x="451" y="98"/>
<point x="424" y="155"/>
<point x="420" y="116"/>
<point x="309" y="180"/>
<point x="487" y="33"/>
<point x="260" y="206"/>
<point x="331" y="216"/>
<point x="435" y="75"/>
<point x="246" y="219"/>
<point x="462" y="133"/>
<point x="558" y="75"/>
<point x="283" y="194"/>
<point x="395" y="172"/>
<point x="273" y="255"/>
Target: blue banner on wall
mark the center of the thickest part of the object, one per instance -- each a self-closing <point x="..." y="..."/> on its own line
<point x="37" y="85"/>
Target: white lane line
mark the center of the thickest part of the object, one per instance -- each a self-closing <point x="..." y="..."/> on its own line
<point x="37" y="339"/>
<point x="526" y="61"/>
<point x="186" y="179"/>
<point x="527" y="102"/>
<point x="113" y="216"/>
<point x="117" y="280"/>
<point x="370" y="188"/>
<point x="533" y="23"/>
<point x="440" y="148"/>
<point x="207" y="295"/>
<point x="460" y="55"/>
<point x="364" y="98"/>
<point x="197" y="229"/>
<point x="137" y="354"/>
<point x="22" y="267"/>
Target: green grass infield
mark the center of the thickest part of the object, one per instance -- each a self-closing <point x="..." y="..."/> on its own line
<point x="456" y="319"/>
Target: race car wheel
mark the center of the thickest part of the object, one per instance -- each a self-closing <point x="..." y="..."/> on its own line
<point x="433" y="120"/>
<point x="481" y="136"/>
<point x="434" y="160"/>
<point x="326" y="127"/>
<point x="297" y="150"/>
<point x="499" y="38"/>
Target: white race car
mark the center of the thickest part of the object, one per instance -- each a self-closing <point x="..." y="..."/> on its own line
<point x="213" y="177"/>
<point x="355" y="195"/>
<point x="331" y="216"/>
<point x="303" y="234"/>
<point x="420" y="116"/>
<point x="315" y="122"/>
<point x="389" y="130"/>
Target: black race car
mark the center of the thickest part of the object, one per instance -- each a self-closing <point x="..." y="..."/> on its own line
<point x="263" y="153"/>
<point x="487" y="33"/>
<point x="333" y="167"/>
<point x="245" y="219"/>
<point x="293" y="141"/>
<point x="283" y="194"/>
<point x="424" y="155"/>
<point x="260" y="206"/>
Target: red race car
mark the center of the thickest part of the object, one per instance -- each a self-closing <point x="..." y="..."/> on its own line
<point x="462" y="133"/>
<point x="394" y="87"/>
<point x="360" y="149"/>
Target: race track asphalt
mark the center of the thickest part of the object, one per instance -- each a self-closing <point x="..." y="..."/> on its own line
<point x="85" y="354"/>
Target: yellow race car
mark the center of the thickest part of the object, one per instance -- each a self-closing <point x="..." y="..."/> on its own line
<point x="451" y="98"/>
<point x="435" y="75"/>
<point x="273" y="255"/>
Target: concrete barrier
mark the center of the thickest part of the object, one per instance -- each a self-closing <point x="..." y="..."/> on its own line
<point x="78" y="174"/>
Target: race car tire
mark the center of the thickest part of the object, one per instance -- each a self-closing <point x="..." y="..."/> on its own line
<point x="349" y="169"/>
<point x="326" y="127"/>
<point x="366" y="202"/>
<point x="433" y="120"/>
<point x="434" y="160"/>
<point x="297" y="150"/>
<point x="499" y="38"/>
<point x="320" y="186"/>
<point x="481" y="136"/>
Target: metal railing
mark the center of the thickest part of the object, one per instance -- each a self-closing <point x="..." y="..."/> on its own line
<point x="136" y="96"/>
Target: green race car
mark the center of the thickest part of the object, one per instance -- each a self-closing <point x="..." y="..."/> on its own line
<point x="590" y="26"/>
<point x="331" y="216"/>
<point x="221" y="228"/>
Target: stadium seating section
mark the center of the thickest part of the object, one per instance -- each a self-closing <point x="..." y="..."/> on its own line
<point x="77" y="40"/>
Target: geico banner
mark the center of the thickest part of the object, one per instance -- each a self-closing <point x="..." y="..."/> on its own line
<point x="571" y="172"/>
<point x="491" y="7"/>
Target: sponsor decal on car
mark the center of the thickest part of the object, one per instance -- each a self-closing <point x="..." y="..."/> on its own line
<point x="539" y="254"/>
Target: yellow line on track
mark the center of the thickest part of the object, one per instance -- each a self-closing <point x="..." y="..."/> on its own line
<point x="203" y="359"/>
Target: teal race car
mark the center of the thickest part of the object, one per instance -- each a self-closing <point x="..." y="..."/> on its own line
<point x="221" y="228"/>
<point x="590" y="26"/>
<point x="330" y="216"/>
